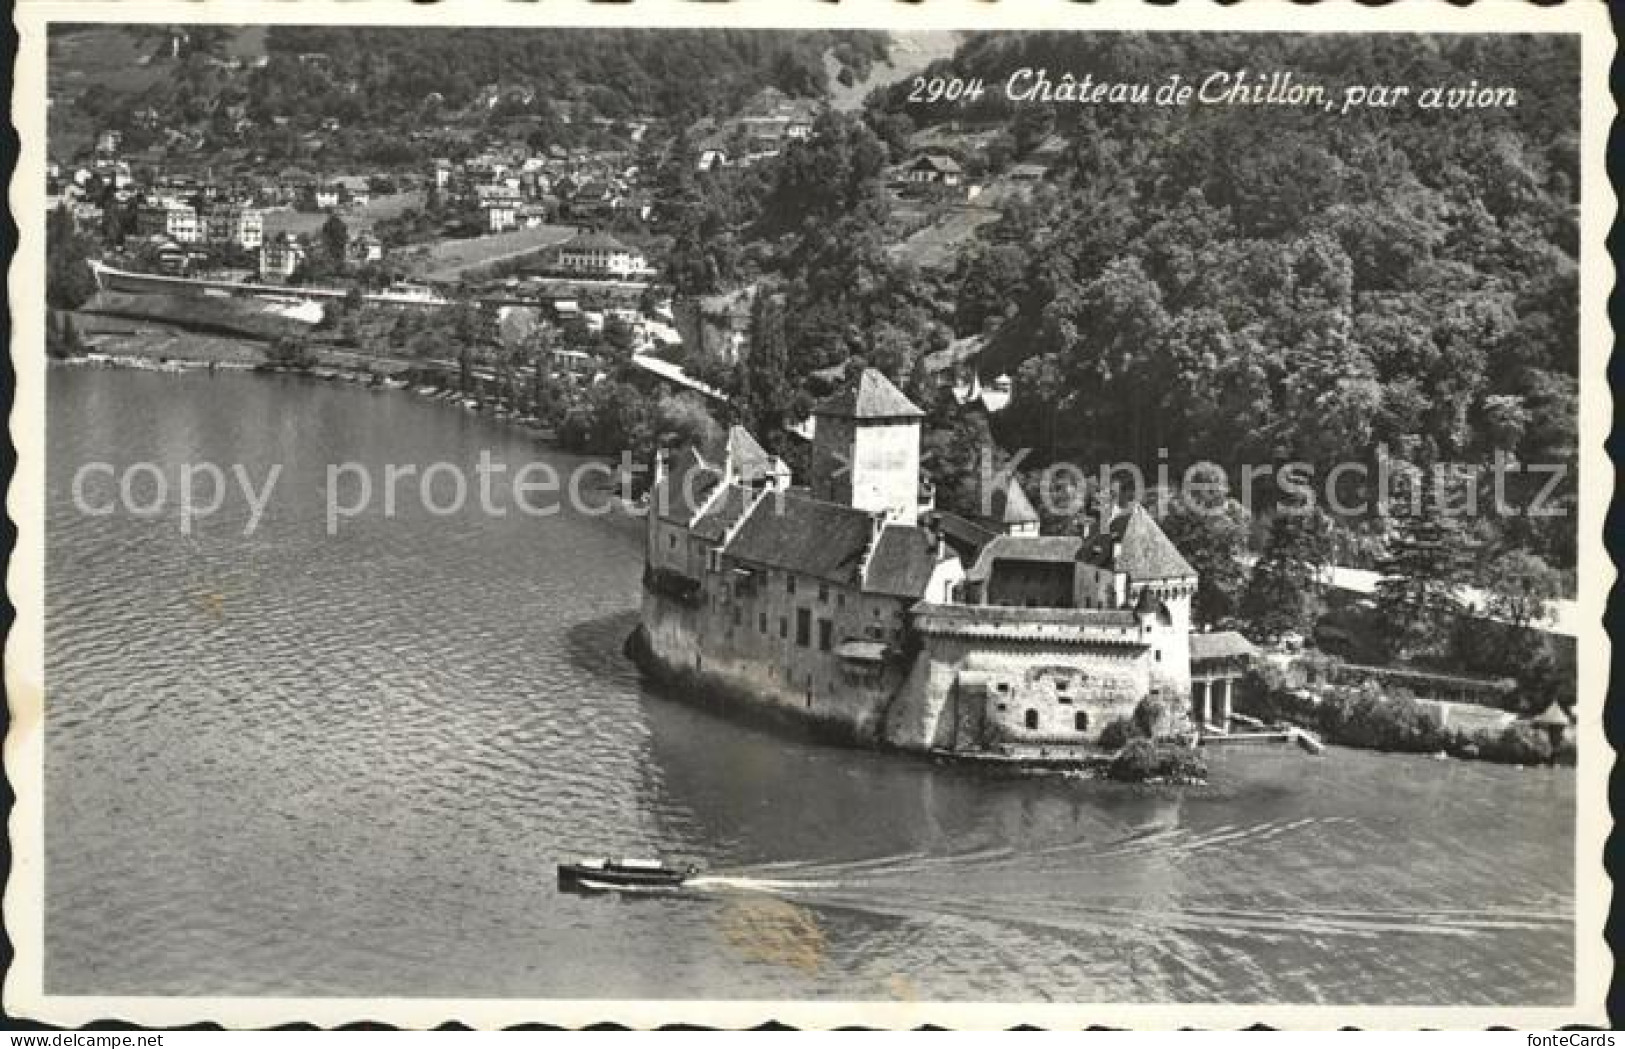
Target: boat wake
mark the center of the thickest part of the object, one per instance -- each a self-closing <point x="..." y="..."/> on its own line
<point x="748" y="884"/>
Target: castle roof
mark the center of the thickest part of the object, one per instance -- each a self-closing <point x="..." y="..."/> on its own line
<point x="871" y="396"/>
<point x="792" y="531"/>
<point x="1144" y="550"/>
<point x="677" y="498"/>
<point x="722" y="512"/>
<point x="1011" y="506"/>
<point x="965" y="536"/>
<point x="1051" y="548"/>
<point x="745" y="454"/>
<point x="901" y="565"/>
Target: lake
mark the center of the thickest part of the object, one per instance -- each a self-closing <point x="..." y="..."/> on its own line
<point x="298" y="764"/>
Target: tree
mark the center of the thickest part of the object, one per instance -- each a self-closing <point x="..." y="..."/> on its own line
<point x="1429" y="554"/>
<point x="683" y="419"/>
<point x="952" y="457"/>
<point x="292" y="353"/>
<point x="1211" y="530"/>
<point x="1282" y="594"/>
<point x="767" y="392"/>
<point x="335" y="241"/>
<point x="68" y="280"/>
<point x="62" y="336"/>
<point x="1520" y="588"/>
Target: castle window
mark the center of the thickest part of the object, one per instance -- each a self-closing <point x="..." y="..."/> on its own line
<point x="825" y="629"/>
<point x="1159" y="655"/>
<point x="823" y="593"/>
<point x="1003" y="686"/>
<point x="840" y="600"/>
<point x="1031" y="719"/>
<point x="738" y="617"/>
<point x="761" y="622"/>
<point x="803" y="627"/>
<point x="1080" y="722"/>
<point x="789" y="583"/>
<point x="671" y="541"/>
<point x="784" y="629"/>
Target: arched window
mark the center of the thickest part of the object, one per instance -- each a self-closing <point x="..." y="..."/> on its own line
<point x="1032" y="719"/>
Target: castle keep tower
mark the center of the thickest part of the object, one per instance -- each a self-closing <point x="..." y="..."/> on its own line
<point x="866" y="449"/>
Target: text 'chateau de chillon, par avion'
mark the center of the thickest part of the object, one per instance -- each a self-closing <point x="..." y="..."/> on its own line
<point x="850" y="603"/>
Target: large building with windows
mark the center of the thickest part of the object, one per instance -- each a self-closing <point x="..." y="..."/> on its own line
<point x="853" y="604"/>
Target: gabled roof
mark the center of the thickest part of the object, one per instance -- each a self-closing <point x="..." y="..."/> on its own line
<point x="678" y="498"/>
<point x="722" y="512"/>
<point x="1051" y="548"/>
<point x="792" y="531"/>
<point x="745" y="454"/>
<point x="1552" y="716"/>
<point x="938" y="162"/>
<point x="965" y="536"/>
<point x="901" y="565"/>
<point x="1144" y="551"/>
<point x="1011" y="506"/>
<point x="872" y="396"/>
<point x="593" y="242"/>
<point x="1220" y="644"/>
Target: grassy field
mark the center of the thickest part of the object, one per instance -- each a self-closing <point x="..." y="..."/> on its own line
<point x="174" y="345"/>
<point x="937" y="246"/>
<point x="448" y="260"/>
<point x="310" y="222"/>
<point x="214" y="315"/>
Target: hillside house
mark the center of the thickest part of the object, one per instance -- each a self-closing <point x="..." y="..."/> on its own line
<point x="600" y="255"/>
<point x="934" y="169"/>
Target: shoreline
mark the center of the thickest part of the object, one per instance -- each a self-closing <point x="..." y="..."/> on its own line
<point x="330" y="369"/>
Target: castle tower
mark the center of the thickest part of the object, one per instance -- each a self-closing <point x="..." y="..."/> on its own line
<point x="866" y="449"/>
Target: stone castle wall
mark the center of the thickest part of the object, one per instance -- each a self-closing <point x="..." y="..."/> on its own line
<point x="954" y="692"/>
<point x="738" y="664"/>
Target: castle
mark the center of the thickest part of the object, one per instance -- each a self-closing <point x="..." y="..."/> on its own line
<point x="849" y="603"/>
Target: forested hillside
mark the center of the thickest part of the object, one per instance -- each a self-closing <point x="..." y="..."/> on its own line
<point x="1257" y="284"/>
<point x="615" y="72"/>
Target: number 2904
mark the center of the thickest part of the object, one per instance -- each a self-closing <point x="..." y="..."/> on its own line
<point x="945" y="89"/>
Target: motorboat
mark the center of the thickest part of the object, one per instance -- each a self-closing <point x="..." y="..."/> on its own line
<point x="604" y="875"/>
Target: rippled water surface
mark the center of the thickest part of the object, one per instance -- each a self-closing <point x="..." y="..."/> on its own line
<point x="300" y="765"/>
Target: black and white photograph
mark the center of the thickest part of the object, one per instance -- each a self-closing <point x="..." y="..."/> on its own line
<point x="629" y="519"/>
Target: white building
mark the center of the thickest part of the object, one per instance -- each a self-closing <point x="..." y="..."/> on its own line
<point x="280" y="256"/>
<point x="235" y="224"/>
<point x="601" y="255"/>
<point x="171" y="219"/>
